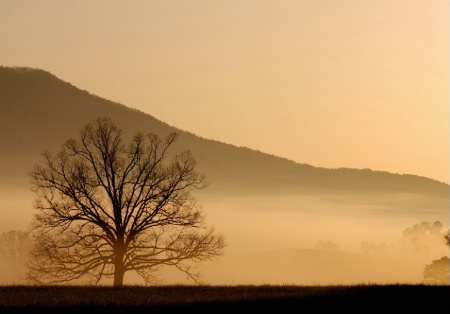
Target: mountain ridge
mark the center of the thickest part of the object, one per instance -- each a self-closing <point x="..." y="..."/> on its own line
<point x="43" y="111"/>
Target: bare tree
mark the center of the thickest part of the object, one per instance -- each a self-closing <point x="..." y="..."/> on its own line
<point x="106" y="208"/>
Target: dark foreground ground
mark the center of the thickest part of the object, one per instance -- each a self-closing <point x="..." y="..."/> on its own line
<point x="224" y="299"/>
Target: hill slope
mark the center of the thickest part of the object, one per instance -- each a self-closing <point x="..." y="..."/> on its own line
<point x="40" y="111"/>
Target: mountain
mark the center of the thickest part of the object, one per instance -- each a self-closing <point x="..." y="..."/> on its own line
<point x="40" y="111"/>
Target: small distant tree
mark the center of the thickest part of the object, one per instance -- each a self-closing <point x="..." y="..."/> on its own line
<point x="14" y="250"/>
<point x="437" y="272"/>
<point x="424" y="234"/>
<point x="107" y="208"/>
<point x="423" y="241"/>
<point x="371" y="248"/>
<point x="14" y="247"/>
<point x="326" y="245"/>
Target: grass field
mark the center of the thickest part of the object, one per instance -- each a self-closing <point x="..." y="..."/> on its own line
<point x="213" y="299"/>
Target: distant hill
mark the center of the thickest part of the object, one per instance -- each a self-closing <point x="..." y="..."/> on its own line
<point x="38" y="111"/>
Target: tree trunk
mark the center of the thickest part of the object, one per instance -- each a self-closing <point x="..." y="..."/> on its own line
<point x="119" y="269"/>
<point x="119" y="273"/>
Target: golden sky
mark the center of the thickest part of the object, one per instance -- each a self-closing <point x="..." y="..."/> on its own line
<point x="331" y="83"/>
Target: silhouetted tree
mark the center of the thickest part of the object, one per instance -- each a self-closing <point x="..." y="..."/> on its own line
<point x="437" y="272"/>
<point x="106" y="208"/>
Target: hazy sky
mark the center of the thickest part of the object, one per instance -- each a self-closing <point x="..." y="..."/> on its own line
<point x="332" y="83"/>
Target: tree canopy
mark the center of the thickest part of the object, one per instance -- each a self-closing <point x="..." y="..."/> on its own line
<point x="106" y="208"/>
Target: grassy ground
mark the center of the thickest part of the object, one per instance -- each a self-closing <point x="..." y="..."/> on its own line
<point x="211" y="299"/>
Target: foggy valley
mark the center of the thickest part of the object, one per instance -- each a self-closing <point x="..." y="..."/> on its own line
<point x="284" y="222"/>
